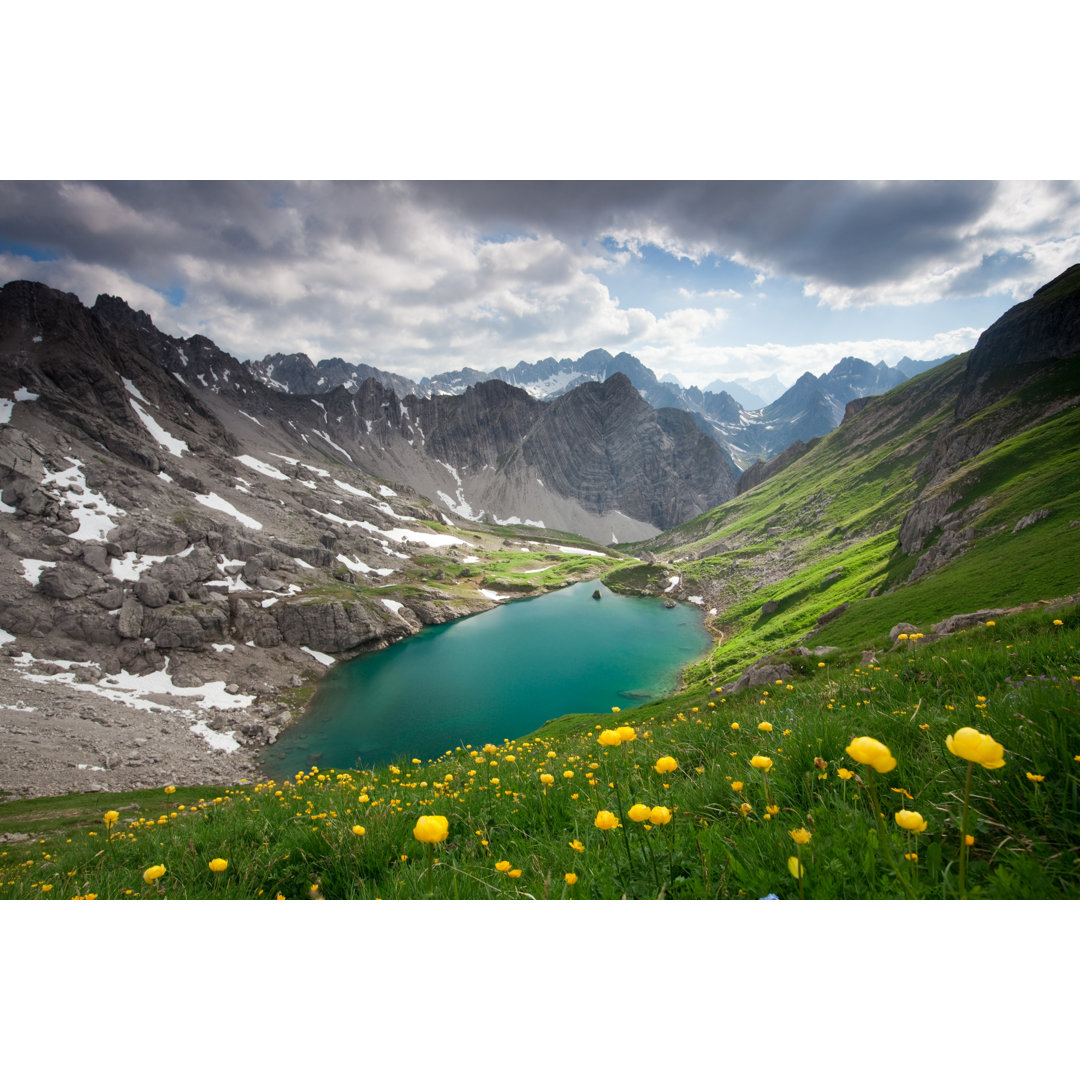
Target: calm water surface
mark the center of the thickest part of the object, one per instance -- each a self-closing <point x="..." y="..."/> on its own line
<point x="493" y="676"/>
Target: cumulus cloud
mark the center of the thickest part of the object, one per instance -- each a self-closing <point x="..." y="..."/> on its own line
<point x="696" y="365"/>
<point x="421" y="277"/>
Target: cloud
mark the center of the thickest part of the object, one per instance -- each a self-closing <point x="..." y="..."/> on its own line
<point x="420" y="277"/>
<point x="697" y="365"/>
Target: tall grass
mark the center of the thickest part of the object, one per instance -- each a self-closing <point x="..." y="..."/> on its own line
<point x="523" y="815"/>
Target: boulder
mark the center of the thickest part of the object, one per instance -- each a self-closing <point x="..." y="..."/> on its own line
<point x="902" y="628"/>
<point x="832" y="614"/>
<point x="964" y="622"/>
<point x="762" y="675"/>
<point x="109" y="598"/>
<point x="96" y="556"/>
<point x="179" y="632"/>
<point x="66" y="582"/>
<point x="1030" y="519"/>
<point x="332" y="627"/>
<point x="151" y="593"/>
<point x="131" y="618"/>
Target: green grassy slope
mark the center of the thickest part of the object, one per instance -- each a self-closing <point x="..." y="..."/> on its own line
<point x="824" y="531"/>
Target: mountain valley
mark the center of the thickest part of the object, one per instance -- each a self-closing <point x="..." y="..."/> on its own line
<point x="188" y="541"/>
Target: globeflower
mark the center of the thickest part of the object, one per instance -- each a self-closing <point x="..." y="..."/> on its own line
<point x="577" y="845"/>
<point x="972" y="745"/>
<point x="431" y="829"/>
<point x="571" y="878"/>
<point x="217" y="865"/>
<point x="660" y="815"/>
<point x="844" y="774"/>
<point x="911" y="820"/>
<point x="152" y="873"/>
<point x="607" y="737"/>
<point x="503" y="866"/>
<point x="759" y="761"/>
<point x="764" y="726"/>
<point x="111" y="818"/>
<point x="626" y="734"/>
<point x="547" y="778"/>
<point x="800" y="836"/>
<point x="666" y="765"/>
<point x="638" y="812"/>
<point x="170" y="790"/>
<point x="359" y="830"/>
<point x="869" y="751"/>
<point x="606" y="820"/>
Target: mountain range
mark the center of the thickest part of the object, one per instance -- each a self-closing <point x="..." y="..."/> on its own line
<point x="812" y="407"/>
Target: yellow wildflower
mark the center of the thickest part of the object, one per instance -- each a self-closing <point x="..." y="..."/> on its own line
<point x="431" y="829"/>
<point x="911" y="820"/>
<point x="972" y="745"/>
<point x="869" y="751"/>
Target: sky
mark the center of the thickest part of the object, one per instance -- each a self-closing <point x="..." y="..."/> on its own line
<point x="703" y="280"/>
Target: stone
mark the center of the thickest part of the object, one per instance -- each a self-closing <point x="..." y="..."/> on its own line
<point x="902" y="628"/>
<point x="1030" y="519"/>
<point x="836" y="612"/>
<point x="151" y="593"/>
<point x="762" y="675"/>
<point x="66" y="582"/>
<point x="131" y="618"/>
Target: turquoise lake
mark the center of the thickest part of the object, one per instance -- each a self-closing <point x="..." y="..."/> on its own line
<point x="493" y="676"/>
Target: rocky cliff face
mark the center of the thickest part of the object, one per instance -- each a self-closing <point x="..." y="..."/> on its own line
<point x="1026" y="337"/>
<point x="1036" y="343"/>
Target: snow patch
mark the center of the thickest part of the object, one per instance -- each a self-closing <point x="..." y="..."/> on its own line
<point x="90" y="509"/>
<point x="394" y="605"/>
<point x="699" y="600"/>
<point x="32" y="569"/>
<point x="261" y="467"/>
<point x="22" y="394"/>
<point x="354" y="491"/>
<point x="492" y="595"/>
<point x="133" y="390"/>
<point x="250" y="417"/>
<point x="339" y="449"/>
<point x="674" y="579"/>
<point x="168" y="442"/>
<point x="581" y="551"/>
<point x="326" y="661"/>
<point x="359" y="567"/>
<point x="6" y="405"/>
<point x="216" y="502"/>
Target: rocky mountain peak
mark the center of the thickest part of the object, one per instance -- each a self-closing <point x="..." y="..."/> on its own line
<point x="1035" y="332"/>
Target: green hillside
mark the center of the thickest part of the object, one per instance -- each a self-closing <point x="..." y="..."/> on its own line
<point x="825" y="531"/>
